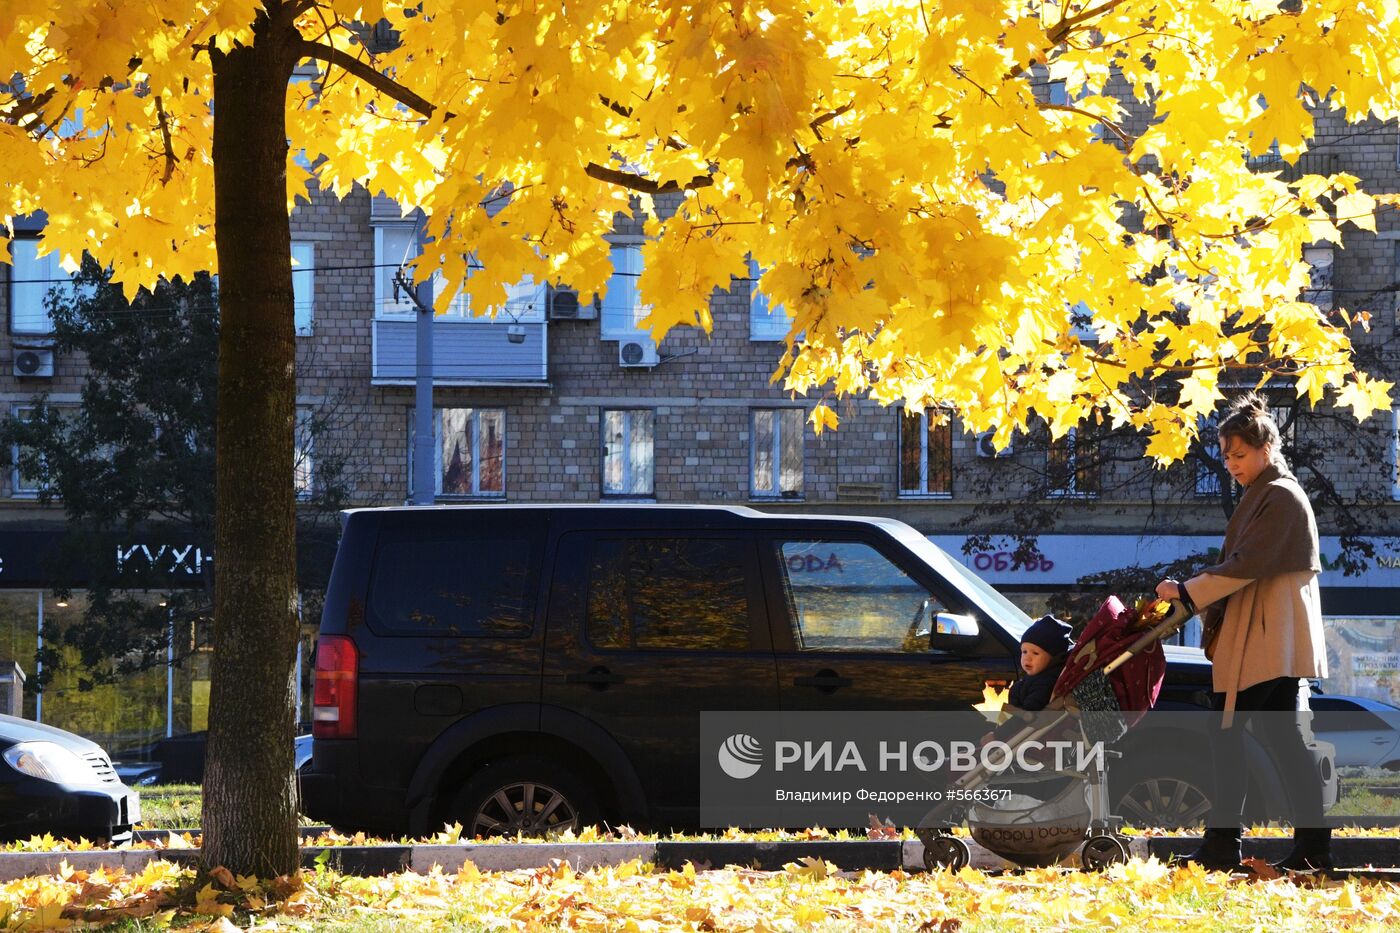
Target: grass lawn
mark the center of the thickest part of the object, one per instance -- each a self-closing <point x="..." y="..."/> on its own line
<point x="808" y="896"/>
<point x="175" y="806"/>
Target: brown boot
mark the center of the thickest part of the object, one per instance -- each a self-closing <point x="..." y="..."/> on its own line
<point x="1219" y="851"/>
<point x="1312" y="851"/>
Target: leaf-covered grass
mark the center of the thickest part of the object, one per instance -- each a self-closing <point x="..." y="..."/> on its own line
<point x="810" y="895"/>
<point x="452" y="835"/>
<point x="170" y="806"/>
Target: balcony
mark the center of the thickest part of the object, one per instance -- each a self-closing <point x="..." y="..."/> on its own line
<point x="465" y="353"/>
<point x="1309" y="163"/>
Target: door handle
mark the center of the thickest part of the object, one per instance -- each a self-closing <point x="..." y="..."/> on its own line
<point x="598" y="677"/>
<point x="826" y="681"/>
<point x="1381" y="740"/>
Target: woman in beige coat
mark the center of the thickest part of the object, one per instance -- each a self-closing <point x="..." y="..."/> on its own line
<point x="1262" y="623"/>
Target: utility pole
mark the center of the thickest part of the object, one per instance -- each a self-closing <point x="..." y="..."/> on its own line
<point x="424" y="483"/>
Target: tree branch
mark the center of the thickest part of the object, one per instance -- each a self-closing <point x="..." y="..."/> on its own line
<point x="367" y="73"/>
<point x="643" y="185"/>
<point x="27" y="106"/>
<point x="169" y="154"/>
<point x="392" y="89"/>
<point x="1108" y="124"/>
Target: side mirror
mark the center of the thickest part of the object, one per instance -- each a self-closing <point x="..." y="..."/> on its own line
<point x="954" y="632"/>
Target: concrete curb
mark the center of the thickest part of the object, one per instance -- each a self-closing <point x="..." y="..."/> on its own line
<point x="1377" y="855"/>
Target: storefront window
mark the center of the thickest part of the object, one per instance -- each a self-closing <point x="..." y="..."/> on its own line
<point x="18" y="631"/>
<point x="1363" y="656"/>
<point x="123" y="716"/>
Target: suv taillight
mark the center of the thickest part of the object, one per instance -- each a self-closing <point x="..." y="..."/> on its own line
<point x="337" y="666"/>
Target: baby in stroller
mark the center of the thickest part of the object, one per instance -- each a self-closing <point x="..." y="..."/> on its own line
<point x="1043" y="649"/>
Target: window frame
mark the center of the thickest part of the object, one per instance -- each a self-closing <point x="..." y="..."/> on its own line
<point x="627" y="428"/>
<point x="923" y="491"/>
<point x="51" y="274"/>
<point x="386" y="308"/>
<point x="581" y="545"/>
<point x="1321" y="294"/>
<point x="1073" y="470"/>
<point x="459" y="309"/>
<point x="784" y="621"/>
<point x="777" y="495"/>
<point x="304" y="454"/>
<point x="450" y="528"/>
<point x="1394" y="447"/>
<point x="762" y="328"/>
<point x="307" y="327"/>
<point x="18" y="410"/>
<point x="475" y="430"/>
<point x="608" y="328"/>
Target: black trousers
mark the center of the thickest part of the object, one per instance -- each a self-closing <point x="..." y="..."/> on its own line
<point x="1281" y="737"/>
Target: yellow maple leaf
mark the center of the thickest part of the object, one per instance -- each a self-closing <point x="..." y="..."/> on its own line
<point x="810" y="868"/>
<point x="822" y="418"/>
<point x="206" y="903"/>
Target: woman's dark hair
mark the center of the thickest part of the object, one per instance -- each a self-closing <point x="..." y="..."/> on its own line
<point x="1247" y="417"/>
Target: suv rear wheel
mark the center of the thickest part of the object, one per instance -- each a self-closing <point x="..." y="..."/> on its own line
<point x="522" y="795"/>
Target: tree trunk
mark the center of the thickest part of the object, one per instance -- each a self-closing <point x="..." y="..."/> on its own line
<point x="249" y="817"/>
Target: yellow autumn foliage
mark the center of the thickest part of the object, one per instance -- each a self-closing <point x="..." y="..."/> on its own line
<point x="919" y="205"/>
<point x="811" y="895"/>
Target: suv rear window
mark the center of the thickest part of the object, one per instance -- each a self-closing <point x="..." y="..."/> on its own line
<point x="462" y="584"/>
<point x="688" y="594"/>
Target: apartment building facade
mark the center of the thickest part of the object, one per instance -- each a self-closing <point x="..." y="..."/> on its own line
<point x="564" y="398"/>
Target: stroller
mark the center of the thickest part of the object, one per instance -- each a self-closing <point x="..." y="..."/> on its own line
<point x="1111" y="679"/>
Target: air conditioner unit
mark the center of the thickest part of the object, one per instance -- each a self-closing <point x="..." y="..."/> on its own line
<point x="636" y="353"/>
<point x="986" y="447"/>
<point x="33" y="363"/>
<point x="565" y="306"/>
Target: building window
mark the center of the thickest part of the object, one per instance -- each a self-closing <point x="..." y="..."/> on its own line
<point x="767" y="321"/>
<point x="303" y="464"/>
<point x="775" y="460"/>
<point x="22" y="484"/>
<point x="1319" y="290"/>
<point x="629" y="449"/>
<point x="32" y="277"/>
<point x="304" y="285"/>
<point x="1071" y="465"/>
<point x="1207" y="479"/>
<point x="925" y="454"/>
<point x="1395" y="454"/>
<point x="622" y="305"/>
<point x="469" y="452"/>
<point x="395" y="244"/>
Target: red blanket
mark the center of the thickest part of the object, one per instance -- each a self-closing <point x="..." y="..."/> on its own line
<point x="1109" y="633"/>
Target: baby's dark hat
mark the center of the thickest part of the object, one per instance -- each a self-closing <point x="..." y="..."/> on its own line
<point x="1050" y="634"/>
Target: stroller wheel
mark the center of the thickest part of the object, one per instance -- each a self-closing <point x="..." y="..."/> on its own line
<point x="943" y="851"/>
<point x="1102" y="851"/>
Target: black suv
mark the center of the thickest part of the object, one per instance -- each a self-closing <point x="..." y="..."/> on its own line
<point x="528" y="668"/>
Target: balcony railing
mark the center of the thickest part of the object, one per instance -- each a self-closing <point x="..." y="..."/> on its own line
<point x="476" y="352"/>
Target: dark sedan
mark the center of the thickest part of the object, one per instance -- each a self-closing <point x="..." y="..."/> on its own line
<point x="56" y="782"/>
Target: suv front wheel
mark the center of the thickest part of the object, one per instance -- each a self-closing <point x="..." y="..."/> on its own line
<point x="522" y="795"/>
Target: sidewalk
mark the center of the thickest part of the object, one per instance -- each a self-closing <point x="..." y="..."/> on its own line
<point x="1364" y="856"/>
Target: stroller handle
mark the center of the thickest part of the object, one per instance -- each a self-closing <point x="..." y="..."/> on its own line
<point x="1168" y="626"/>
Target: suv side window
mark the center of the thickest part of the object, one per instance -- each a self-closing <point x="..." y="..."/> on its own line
<point x="466" y="582"/>
<point x="847" y="596"/>
<point x="687" y="594"/>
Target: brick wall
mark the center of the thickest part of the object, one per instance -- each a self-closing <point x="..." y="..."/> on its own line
<point x="704" y="389"/>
